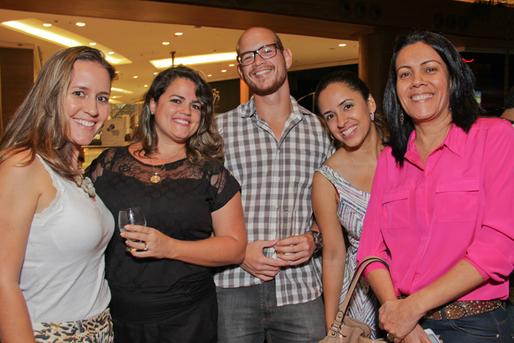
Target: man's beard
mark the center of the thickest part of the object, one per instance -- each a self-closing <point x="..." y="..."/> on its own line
<point x="275" y="86"/>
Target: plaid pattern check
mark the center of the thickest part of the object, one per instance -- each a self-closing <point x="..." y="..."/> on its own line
<point x="274" y="176"/>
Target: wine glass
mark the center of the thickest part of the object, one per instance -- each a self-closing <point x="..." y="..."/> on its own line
<point x="131" y="216"/>
<point x="286" y="222"/>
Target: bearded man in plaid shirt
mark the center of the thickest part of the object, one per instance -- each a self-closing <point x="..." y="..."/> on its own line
<point x="272" y="147"/>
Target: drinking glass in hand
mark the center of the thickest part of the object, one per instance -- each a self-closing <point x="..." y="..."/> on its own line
<point x="131" y="216"/>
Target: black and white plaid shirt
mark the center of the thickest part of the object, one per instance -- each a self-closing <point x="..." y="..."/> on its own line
<point x="275" y="176"/>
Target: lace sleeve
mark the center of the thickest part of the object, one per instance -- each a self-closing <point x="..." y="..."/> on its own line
<point x="226" y="186"/>
<point x="96" y="168"/>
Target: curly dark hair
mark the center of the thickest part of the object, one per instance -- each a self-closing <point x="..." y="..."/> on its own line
<point x="206" y="143"/>
<point x="464" y="108"/>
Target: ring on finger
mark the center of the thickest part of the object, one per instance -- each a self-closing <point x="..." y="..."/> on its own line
<point x="390" y="337"/>
<point x="146" y="246"/>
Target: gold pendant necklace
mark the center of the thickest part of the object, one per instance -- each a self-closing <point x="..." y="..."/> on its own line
<point x="156" y="178"/>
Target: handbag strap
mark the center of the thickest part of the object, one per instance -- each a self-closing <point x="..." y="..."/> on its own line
<point x="338" y="321"/>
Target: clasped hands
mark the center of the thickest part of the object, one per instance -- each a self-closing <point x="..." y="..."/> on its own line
<point x="400" y="319"/>
<point x="291" y="251"/>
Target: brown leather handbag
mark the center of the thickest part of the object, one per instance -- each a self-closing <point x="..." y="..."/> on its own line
<point x="345" y="329"/>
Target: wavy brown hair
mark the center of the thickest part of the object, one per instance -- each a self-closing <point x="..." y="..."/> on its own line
<point x="41" y="123"/>
<point x="206" y="143"/>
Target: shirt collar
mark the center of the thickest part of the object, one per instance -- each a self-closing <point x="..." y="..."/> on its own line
<point x="249" y="109"/>
<point x="452" y="141"/>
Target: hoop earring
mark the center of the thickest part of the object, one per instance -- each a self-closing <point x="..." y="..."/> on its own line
<point x="372" y="115"/>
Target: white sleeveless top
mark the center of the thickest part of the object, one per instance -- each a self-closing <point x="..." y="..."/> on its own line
<point x="62" y="277"/>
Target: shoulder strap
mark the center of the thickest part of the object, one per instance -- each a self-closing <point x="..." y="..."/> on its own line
<point x="338" y="321"/>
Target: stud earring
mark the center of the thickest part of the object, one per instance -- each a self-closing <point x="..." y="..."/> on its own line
<point x="151" y="113"/>
<point x="372" y="115"/>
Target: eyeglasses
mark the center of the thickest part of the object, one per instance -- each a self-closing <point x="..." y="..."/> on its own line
<point x="266" y="52"/>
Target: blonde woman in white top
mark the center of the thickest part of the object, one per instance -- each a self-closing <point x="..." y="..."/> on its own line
<point x="54" y="228"/>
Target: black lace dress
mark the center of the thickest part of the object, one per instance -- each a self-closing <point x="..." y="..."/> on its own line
<point x="154" y="296"/>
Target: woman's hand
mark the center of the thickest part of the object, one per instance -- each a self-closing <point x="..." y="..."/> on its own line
<point x="399" y="318"/>
<point x="153" y="242"/>
<point x="418" y="335"/>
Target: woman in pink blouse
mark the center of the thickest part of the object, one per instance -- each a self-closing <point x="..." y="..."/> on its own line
<point x="441" y="204"/>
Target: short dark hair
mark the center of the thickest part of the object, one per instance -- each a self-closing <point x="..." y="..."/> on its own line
<point x="356" y="84"/>
<point x="206" y="142"/>
<point x="463" y="105"/>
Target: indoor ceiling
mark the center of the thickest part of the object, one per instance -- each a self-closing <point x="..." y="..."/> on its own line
<point x="141" y="42"/>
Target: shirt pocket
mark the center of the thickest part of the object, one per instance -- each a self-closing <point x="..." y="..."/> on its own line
<point x="396" y="209"/>
<point x="457" y="200"/>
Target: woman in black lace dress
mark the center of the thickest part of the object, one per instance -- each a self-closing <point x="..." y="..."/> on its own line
<point x="164" y="291"/>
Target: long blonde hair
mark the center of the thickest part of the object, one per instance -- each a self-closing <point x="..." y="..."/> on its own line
<point x="40" y="124"/>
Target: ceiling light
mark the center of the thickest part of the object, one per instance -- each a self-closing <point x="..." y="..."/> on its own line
<point x="342" y="44"/>
<point x="165" y="43"/>
<point x="92" y="43"/>
<point x="121" y="90"/>
<point x="59" y="36"/>
<point x="209" y="75"/>
<point x="78" y="23"/>
<point x="155" y="72"/>
<point x="135" y="76"/>
<point x="224" y="71"/>
<point x="198" y="59"/>
<point x="231" y="65"/>
<point x="111" y="53"/>
<point x="145" y="86"/>
<point x="179" y="33"/>
<point x="47" y="24"/>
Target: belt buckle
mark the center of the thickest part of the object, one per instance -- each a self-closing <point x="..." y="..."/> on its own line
<point x="455" y="310"/>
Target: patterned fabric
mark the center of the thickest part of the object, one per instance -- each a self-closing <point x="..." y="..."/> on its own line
<point x="94" y="330"/>
<point x="351" y="211"/>
<point x="275" y="176"/>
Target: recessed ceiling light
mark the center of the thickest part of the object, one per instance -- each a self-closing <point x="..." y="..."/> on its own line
<point x="209" y="75"/>
<point x="92" y="43"/>
<point x="231" y="65"/>
<point x="135" y="77"/>
<point x="342" y="44"/>
<point x="179" y="33"/>
<point x="224" y="71"/>
<point x="78" y="23"/>
<point x="47" y="24"/>
<point x="145" y="86"/>
<point x="165" y="43"/>
<point x="111" y="52"/>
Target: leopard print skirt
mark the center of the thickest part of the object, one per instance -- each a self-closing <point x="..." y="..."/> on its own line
<point x="94" y="330"/>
